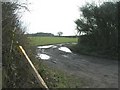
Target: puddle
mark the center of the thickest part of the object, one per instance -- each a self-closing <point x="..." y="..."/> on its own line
<point x="65" y="49"/>
<point x="44" y="56"/>
<point x="65" y="56"/>
<point x="54" y="46"/>
<point x="48" y="46"/>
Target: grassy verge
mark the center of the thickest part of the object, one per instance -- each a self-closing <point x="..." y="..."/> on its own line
<point x="58" y="79"/>
<point x="34" y="41"/>
<point x="55" y="78"/>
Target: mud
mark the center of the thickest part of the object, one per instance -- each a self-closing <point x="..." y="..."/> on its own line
<point x="100" y="72"/>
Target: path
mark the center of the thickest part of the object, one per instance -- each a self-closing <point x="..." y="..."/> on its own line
<point x="101" y="73"/>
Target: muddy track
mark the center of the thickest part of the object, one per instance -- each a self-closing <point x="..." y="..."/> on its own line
<point x="100" y="73"/>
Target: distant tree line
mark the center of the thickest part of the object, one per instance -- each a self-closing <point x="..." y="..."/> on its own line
<point x="41" y="34"/>
<point x="100" y="25"/>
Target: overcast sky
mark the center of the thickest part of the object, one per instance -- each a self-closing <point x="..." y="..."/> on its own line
<point x="52" y="16"/>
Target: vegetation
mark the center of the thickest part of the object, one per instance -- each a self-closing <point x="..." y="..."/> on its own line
<point x="16" y="72"/>
<point x="56" y="78"/>
<point x="50" y="40"/>
<point x="60" y="33"/>
<point x="99" y="23"/>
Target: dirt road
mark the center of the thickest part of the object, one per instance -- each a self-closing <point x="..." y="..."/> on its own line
<point x="100" y="73"/>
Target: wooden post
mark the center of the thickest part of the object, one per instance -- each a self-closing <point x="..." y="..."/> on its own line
<point x="35" y="72"/>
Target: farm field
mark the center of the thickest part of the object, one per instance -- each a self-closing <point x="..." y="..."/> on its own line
<point x="35" y="41"/>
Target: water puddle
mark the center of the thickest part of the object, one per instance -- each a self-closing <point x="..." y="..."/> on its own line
<point x="54" y="46"/>
<point x="65" y="49"/>
<point x="44" y="56"/>
<point x="45" y="47"/>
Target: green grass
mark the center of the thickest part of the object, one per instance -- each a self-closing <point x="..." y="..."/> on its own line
<point x="35" y="41"/>
<point x="55" y="78"/>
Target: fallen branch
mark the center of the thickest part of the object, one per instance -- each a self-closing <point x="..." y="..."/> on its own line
<point x="35" y="72"/>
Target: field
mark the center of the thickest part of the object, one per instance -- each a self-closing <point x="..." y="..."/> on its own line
<point x="35" y="41"/>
